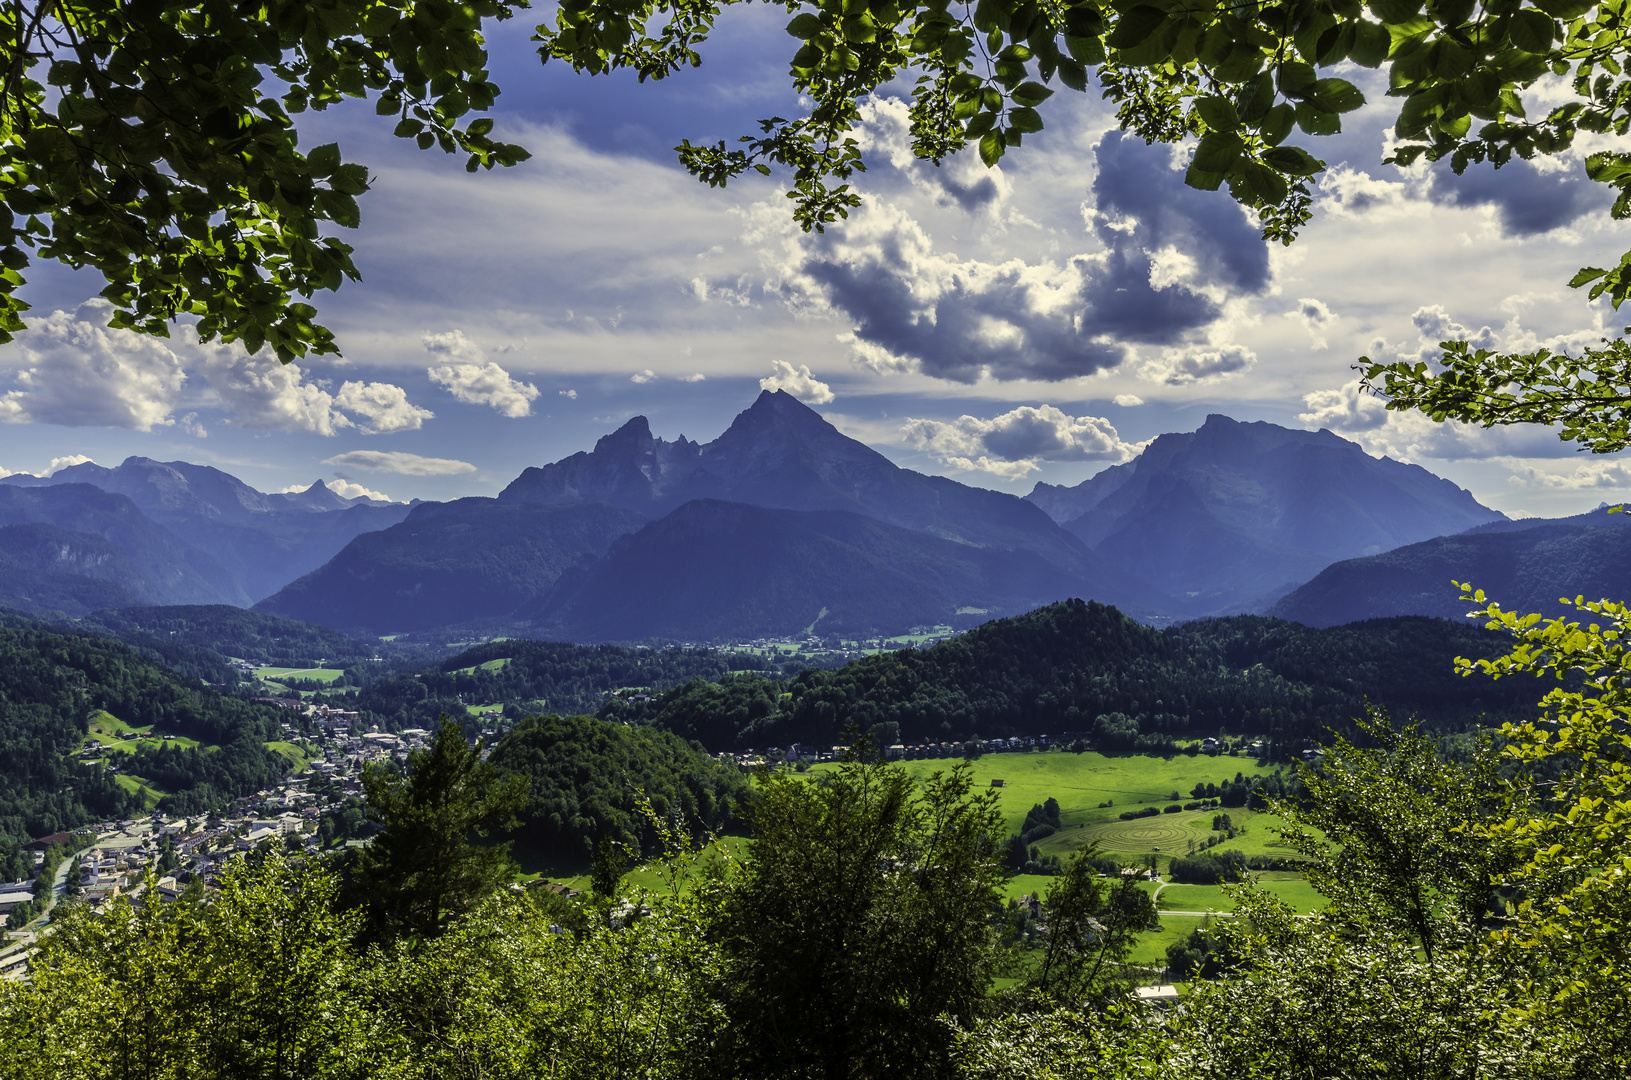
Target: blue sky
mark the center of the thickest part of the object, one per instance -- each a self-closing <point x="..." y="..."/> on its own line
<point x="1036" y="322"/>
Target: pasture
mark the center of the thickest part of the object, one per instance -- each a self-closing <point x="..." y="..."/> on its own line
<point x="1082" y="781"/>
<point x="316" y="674"/>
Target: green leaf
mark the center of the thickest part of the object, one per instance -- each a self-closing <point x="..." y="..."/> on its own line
<point x="1218" y="112"/>
<point x="1395" y="11"/>
<point x="1316" y="121"/>
<point x="1586" y="277"/>
<point x="1371" y="44"/>
<point x="1218" y="150"/>
<point x="1203" y="180"/>
<point x="991" y="147"/>
<point x="805" y="26"/>
<point x="1278" y="123"/>
<point x="1025" y="120"/>
<point x="1531" y="31"/>
<point x="1337" y="95"/>
<point x="1292" y="160"/>
<point x="1296" y="79"/>
<point x="324" y="159"/>
<point x="1031" y="93"/>
<point x="1135" y="26"/>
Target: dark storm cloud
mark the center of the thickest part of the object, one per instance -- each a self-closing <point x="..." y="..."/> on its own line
<point x="914" y="308"/>
<point x="1527" y="201"/>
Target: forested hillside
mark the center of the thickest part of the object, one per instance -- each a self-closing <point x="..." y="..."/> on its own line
<point x="535" y="676"/>
<point x="586" y="777"/>
<point x="233" y="631"/>
<point x="51" y="683"/>
<point x="1082" y="667"/>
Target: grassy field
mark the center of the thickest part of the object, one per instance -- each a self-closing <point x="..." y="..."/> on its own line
<point x="107" y="730"/>
<point x="150" y="794"/>
<point x="297" y="756"/>
<point x="492" y="665"/>
<point x="1082" y="781"/>
<point x="318" y="674"/>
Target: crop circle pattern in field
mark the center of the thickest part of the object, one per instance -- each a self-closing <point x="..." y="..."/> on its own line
<point x="1169" y="832"/>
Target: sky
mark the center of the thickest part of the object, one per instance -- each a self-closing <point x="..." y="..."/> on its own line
<point x="1039" y="321"/>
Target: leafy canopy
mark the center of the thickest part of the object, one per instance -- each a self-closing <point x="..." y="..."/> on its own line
<point x="156" y="142"/>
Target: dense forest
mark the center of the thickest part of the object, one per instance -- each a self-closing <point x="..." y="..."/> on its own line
<point x="586" y="777"/>
<point x="1081" y="667"/>
<point x="232" y="631"/>
<point x="535" y="676"/>
<point x="50" y="684"/>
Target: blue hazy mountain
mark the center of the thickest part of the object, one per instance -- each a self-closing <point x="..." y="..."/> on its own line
<point x="264" y="540"/>
<point x="715" y="570"/>
<point x="451" y="563"/>
<point x="782" y="454"/>
<point x="1233" y="515"/>
<point x="73" y="548"/>
<point x="1525" y="565"/>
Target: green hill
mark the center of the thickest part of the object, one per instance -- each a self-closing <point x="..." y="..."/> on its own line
<point x="1085" y="668"/>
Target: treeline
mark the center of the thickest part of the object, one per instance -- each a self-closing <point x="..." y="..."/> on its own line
<point x="198" y="779"/>
<point x="536" y="677"/>
<point x="232" y="631"/>
<point x="50" y="684"/>
<point x="586" y="779"/>
<point x="1082" y="667"/>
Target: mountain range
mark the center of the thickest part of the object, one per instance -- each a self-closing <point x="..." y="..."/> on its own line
<point x="187" y="534"/>
<point x="782" y="525"/>
<point x="1225" y="517"/>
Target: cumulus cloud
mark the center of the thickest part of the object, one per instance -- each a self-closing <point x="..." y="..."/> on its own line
<point x="345" y="489"/>
<point x="961" y="180"/>
<point x="1172" y="257"/>
<point x="797" y="381"/>
<point x="1010" y="445"/>
<point x="474" y="381"/>
<point x="1435" y="324"/>
<point x="71" y="369"/>
<point x="1348" y="408"/>
<point x="642" y="377"/>
<point x="1594" y="474"/>
<point x="1315" y="317"/>
<point x="398" y="461"/>
<point x="1527" y="200"/>
<point x="1128" y="400"/>
<point x="1198" y="363"/>
<point x="1349" y="191"/>
<point x="572" y="394"/>
<point x="698" y="377"/>
<point x="383" y="407"/>
<point x="60" y="463"/>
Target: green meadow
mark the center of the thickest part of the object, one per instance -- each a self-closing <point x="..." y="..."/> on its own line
<point x="317" y="674"/>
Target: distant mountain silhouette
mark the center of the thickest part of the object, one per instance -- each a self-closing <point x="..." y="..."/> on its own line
<point x="780" y="453"/>
<point x="450" y="563"/>
<point x="1525" y="565"/>
<point x="715" y="570"/>
<point x="264" y="540"/>
<point x="1235" y="514"/>
<point x="74" y="547"/>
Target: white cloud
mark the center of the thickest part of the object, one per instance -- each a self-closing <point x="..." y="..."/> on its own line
<point x="1346" y="409"/>
<point x="798" y="382"/>
<point x="1435" y="324"/>
<point x="397" y="461"/>
<point x="1012" y="444"/>
<point x="1127" y="401"/>
<point x="60" y="463"/>
<point x="642" y="377"/>
<point x="572" y="394"/>
<point x="384" y="408"/>
<point x="1198" y="363"/>
<point x="476" y="382"/>
<point x="1315" y="317"/>
<point x="72" y="370"/>
<point x="698" y="377"/>
<point x="345" y="489"/>
<point x="1594" y="474"/>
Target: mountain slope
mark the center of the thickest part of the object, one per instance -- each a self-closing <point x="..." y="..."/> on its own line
<point x="1525" y="568"/>
<point x="450" y="563"/>
<point x="152" y="564"/>
<point x="780" y="453"/>
<point x="264" y="540"/>
<point x="716" y="570"/>
<point x="1227" y="515"/>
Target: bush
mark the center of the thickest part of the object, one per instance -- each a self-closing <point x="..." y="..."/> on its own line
<point x="1134" y="815"/>
<point x="1173" y="809"/>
